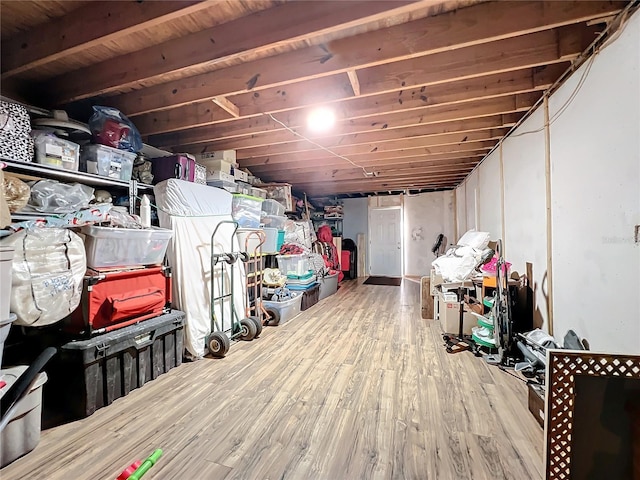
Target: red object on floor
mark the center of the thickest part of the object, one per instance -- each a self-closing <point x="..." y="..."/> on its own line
<point x="345" y="260"/>
<point x="127" y="472"/>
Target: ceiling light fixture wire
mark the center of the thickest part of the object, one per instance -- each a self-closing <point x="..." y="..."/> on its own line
<point x="366" y="173"/>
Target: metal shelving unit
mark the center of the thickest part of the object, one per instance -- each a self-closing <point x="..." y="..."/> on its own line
<point x="33" y="171"/>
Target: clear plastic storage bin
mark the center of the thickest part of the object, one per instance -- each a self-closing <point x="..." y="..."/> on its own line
<point x="287" y="309"/>
<point x="123" y="247"/>
<point x="228" y="186"/>
<point x="246" y="210"/>
<point x="56" y="152"/>
<point x="107" y="161"/>
<point x="272" y="207"/>
<point x="273" y="221"/>
<point x="294" y="265"/>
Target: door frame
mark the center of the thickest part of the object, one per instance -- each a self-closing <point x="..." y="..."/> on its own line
<point x="395" y="207"/>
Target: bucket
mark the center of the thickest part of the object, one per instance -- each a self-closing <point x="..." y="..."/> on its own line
<point x="6" y="259"/>
<point x="5" y="326"/>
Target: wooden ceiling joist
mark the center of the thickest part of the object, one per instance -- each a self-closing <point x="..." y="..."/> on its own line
<point x="422" y="90"/>
<point x="355" y="174"/>
<point x="374" y="188"/>
<point x="481" y="24"/>
<point x="422" y="116"/>
<point x="86" y="27"/>
<point x="227" y="106"/>
<point x="388" y="146"/>
<point x="483" y="83"/>
<point x="273" y="141"/>
<point x="322" y="158"/>
<point x="355" y="83"/>
<point x="256" y="33"/>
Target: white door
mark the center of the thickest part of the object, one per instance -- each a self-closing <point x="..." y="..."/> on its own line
<point x="386" y="242"/>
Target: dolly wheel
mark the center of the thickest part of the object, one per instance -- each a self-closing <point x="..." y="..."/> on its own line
<point x="274" y="316"/>
<point x="218" y="344"/>
<point x="247" y="329"/>
<point x="258" y="323"/>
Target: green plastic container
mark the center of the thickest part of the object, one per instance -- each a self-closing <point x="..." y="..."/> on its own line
<point x="280" y="239"/>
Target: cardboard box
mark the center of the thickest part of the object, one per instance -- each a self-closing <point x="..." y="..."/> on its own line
<point x="216" y="165"/>
<point x="226" y="155"/>
<point x="213" y="176"/>
<point x="240" y="175"/>
<point x="449" y="315"/>
<point x="536" y="402"/>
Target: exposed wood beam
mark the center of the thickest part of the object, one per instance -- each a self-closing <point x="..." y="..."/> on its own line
<point x="227" y="106"/>
<point x="87" y="27"/>
<point x="483" y="23"/>
<point x="370" y="187"/>
<point x="482" y="84"/>
<point x="355" y="83"/>
<point x="404" y="178"/>
<point x="357" y="174"/>
<point x="388" y="146"/>
<point x="441" y="153"/>
<point x="423" y="116"/>
<point x="259" y="32"/>
<point x="284" y="137"/>
<point x="321" y="157"/>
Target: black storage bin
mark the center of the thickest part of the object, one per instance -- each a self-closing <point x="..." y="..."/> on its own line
<point x="310" y="297"/>
<point x="90" y="374"/>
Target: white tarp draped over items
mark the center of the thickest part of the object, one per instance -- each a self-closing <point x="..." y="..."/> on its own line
<point x="460" y="261"/>
<point x="193" y="211"/>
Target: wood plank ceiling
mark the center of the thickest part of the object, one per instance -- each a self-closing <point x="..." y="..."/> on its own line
<point x="422" y="90"/>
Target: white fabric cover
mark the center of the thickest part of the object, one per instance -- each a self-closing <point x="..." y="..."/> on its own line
<point x="193" y="211"/>
<point x="459" y="262"/>
<point x="477" y="240"/>
<point x="49" y="265"/>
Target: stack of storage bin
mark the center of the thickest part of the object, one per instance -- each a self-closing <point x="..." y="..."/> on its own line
<point x="246" y="210"/>
<point x="272" y="217"/>
<point x="300" y="277"/>
<point x="128" y="333"/>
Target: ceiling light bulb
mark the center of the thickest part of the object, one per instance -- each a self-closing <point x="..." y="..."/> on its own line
<point x="321" y="119"/>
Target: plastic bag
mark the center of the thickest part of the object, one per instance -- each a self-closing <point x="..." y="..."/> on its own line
<point x="54" y="197"/>
<point x="49" y="265"/>
<point x="112" y="128"/>
<point x="490" y="269"/>
<point x="16" y="193"/>
<point x="5" y="214"/>
<point x="120" y="218"/>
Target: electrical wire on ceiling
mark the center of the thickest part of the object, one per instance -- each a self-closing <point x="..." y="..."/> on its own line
<point x="366" y="173"/>
<point x="606" y="38"/>
<point x="592" y="51"/>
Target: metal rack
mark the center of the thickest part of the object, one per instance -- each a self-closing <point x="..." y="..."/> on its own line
<point x="34" y="171"/>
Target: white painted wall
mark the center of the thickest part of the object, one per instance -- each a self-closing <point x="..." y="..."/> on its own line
<point x="356" y="220"/>
<point x="595" y="191"/>
<point x="471" y="192"/>
<point x="489" y="190"/>
<point x="461" y="211"/>
<point x="355" y="217"/>
<point x="595" y="153"/>
<point x="525" y="238"/>
<point x="425" y="216"/>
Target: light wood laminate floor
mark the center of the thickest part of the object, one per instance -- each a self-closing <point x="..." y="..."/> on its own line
<point x="357" y="387"/>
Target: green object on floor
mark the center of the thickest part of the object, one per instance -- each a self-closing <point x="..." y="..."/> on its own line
<point x="146" y="465"/>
